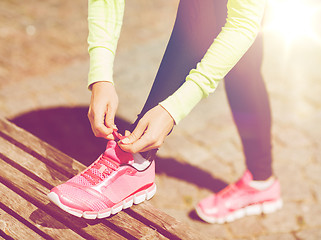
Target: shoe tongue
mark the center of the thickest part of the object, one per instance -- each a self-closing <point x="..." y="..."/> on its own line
<point x="114" y="152"/>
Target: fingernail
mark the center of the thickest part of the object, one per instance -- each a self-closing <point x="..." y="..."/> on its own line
<point x="125" y="141"/>
<point x="110" y="137"/>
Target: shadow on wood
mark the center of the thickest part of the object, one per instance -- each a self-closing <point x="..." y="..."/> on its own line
<point x="68" y="129"/>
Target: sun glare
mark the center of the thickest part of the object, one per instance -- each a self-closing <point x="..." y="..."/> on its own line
<point x="292" y="19"/>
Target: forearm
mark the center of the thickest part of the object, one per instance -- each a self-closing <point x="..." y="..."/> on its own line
<point x="104" y="23"/>
<point x="238" y="34"/>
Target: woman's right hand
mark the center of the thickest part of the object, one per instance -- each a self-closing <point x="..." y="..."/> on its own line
<point x="102" y="109"/>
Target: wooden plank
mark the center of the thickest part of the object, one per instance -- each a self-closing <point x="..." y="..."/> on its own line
<point x="27" y="163"/>
<point x="15" y="229"/>
<point x="34" y="216"/>
<point x="39" y="149"/>
<point x="135" y="227"/>
<point x="38" y="171"/>
<point x="35" y="193"/>
<point x="165" y="224"/>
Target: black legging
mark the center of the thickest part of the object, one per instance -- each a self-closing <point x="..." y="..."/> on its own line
<point x="197" y="24"/>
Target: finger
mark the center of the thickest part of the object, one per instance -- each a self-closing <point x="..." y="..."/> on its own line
<point x="104" y="132"/>
<point x="135" y="149"/>
<point x="99" y="128"/>
<point x="136" y="134"/>
<point x="143" y="144"/>
<point x="95" y="119"/>
<point x="110" y="137"/>
<point x="110" y="117"/>
<point x="127" y="133"/>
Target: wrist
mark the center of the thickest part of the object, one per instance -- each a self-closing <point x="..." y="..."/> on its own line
<point x="170" y="117"/>
<point x="169" y="114"/>
<point x="101" y="84"/>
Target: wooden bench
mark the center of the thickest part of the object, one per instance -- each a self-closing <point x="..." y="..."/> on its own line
<point x="30" y="168"/>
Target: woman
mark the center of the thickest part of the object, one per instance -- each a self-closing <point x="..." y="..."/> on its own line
<point x="199" y="54"/>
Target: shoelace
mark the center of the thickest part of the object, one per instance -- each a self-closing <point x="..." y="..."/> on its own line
<point x="104" y="165"/>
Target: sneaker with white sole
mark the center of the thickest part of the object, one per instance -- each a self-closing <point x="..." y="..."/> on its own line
<point x="238" y="200"/>
<point x="115" y="181"/>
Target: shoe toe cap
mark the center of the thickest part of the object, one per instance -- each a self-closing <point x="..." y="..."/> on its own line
<point x="75" y="198"/>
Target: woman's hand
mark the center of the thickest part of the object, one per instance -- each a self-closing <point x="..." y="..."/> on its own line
<point x="102" y="109"/>
<point x="150" y="131"/>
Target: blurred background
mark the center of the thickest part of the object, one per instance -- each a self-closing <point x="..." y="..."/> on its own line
<point x="43" y="88"/>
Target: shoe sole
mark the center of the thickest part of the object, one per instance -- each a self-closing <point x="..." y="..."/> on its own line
<point x="255" y="209"/>
<point x="136" y="198"/>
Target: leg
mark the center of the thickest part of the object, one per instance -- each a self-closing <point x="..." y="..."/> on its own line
<point x="195" y="28"/>
<point x="249" y="103"/>
<point x="251" y="111"/>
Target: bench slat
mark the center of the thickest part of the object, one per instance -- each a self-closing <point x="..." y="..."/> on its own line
<point x="135" y="227"/>
<point x="39" y="149"/>
<point x="15" y="229"/>
<point x="35" y="216"/>
<point x="27" y="163"/>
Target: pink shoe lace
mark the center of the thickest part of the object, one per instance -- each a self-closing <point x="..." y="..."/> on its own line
<point x="106" y="164"/>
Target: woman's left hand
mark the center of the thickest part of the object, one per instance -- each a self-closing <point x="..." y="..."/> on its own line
<point x="150" y="131"/>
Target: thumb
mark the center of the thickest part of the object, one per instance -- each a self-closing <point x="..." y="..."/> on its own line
<point x="135" y="135"/>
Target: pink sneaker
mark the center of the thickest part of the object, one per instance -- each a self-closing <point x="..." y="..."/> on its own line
<point x="238" y="200"/>
<point x="115" y="181"/>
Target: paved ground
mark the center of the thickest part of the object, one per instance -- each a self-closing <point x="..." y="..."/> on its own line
<point x="204" y="151"/>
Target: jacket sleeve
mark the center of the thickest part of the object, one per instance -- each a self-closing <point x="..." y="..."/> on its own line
<point x="105" y="19"/>
<point x="237" y="35"/>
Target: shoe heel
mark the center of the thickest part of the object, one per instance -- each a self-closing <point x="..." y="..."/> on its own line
<point x="139" y="199"/>
<point x="146" y="195"/>
<point x="151" y="192"/>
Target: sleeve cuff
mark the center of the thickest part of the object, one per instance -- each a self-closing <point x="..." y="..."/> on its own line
<point x="101" y="66"/>
<point x="181" y="103"/>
